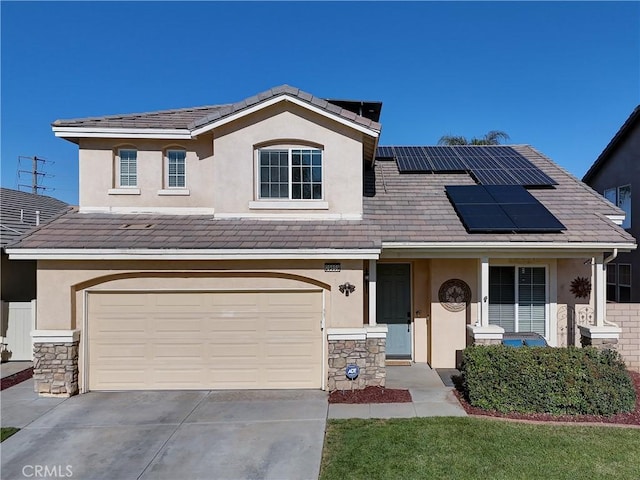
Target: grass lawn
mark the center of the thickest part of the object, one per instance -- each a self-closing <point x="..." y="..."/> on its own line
<point x="6" y="432"/>
<point x="473" y="448"/>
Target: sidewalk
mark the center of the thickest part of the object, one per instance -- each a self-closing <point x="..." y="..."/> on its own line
<point x="431" y="398"/>
<point x="11" y="368"/>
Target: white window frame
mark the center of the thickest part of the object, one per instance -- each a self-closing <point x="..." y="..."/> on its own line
<point x="168" y="174"/>
<point x="119" y="169"/>
<point x="613" y="195"/>
<point x="289" y="199"/>
<point x="547" y="310"/>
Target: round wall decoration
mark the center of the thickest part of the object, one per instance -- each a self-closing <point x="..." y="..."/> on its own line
<point x="454" y="295"/>
<point x="581" y="287"/>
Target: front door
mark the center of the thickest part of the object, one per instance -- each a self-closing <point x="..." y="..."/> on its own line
<point x="394" y="306"/>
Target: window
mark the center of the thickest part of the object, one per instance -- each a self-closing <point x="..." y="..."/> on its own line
<point x="624" y="282"/>
<point x="619" y="282"/>
<point x="621" y="197"/>
<point x="612" y="282"/>
<point x="291" y="173"/>
<point x="518" y="298"/>
<point x="128" y="171"/>
<point x="176" y="169"/>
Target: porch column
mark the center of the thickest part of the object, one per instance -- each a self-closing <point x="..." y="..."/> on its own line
<point x="483" y="311"/>
<point x="602" y="335"/>
<point x="600" y="289"/>
<point x="481" y="332"/>
<point x="372" y="292"/>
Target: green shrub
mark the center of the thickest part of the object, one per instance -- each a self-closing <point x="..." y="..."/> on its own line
<point x="573" y="381"/>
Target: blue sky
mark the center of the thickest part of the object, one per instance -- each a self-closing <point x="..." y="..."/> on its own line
<point x="562" y="77"/>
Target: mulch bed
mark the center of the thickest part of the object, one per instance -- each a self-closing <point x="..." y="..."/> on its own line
<point x="370" y="395"/>
<point x="16" y="378"/>
<point x="630" y="418"/>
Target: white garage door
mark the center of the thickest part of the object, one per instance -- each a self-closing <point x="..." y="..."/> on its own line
<point x="204" y="340"/>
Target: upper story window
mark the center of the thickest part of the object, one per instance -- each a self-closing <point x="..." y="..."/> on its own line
<point x="290" y="173"/>
<point x="621" y="197"/>
<point x="128" y="168"/>
<point x="176" y="169"/>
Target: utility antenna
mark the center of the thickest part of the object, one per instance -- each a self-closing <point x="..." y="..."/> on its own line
<point x="35" y="172"/>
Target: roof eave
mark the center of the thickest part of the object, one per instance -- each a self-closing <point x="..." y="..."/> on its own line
<point x="612" y="145"/>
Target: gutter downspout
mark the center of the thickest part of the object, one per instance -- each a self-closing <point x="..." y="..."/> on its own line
<point x="613" y="256"/>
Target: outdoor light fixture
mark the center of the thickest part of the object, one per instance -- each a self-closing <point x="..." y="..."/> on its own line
<point x="347" y="288"/>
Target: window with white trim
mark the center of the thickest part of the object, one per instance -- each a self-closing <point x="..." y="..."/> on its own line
<point x="290" y="173"/>
<point x="127" y="168"/>
<point x="518" y="298"/>
<point x="621" y="197"/>
<point x="176" y="169"/>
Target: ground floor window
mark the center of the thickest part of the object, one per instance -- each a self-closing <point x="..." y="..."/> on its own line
<point x="518" y="298"/>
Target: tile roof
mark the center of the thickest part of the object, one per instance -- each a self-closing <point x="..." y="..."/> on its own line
<point x="192" y="118"/>
<point x="18" y="213"/>
<point x="397" y="208"/>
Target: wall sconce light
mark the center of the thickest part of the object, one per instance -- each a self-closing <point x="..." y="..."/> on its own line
<point x="347" y="288"/>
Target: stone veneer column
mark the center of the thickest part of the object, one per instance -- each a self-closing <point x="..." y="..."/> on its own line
<point x="601" y="337"/>
<point x="55" y="363"/>
<point x="365" y="347"/>
<point x="486" y="335"/>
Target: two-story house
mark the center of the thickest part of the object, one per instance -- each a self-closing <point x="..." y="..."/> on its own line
<point x="616" y="175"/>
<point x="272" y="242"/>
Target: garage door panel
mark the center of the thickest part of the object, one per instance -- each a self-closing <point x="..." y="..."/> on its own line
<point x="204" y="340"/>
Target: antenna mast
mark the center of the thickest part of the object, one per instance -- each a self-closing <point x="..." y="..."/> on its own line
<point x="35" y="172"/>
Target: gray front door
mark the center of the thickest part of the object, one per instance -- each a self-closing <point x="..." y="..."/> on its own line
<point x="394" y="306"/>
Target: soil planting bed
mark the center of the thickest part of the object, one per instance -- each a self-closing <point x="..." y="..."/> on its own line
<point x="16" y="378"/>
<point x="370" y="395"/>
<point x="630" y="418"/>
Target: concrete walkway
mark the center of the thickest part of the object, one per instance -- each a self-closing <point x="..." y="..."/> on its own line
<point x="431" y="398"/>
<point x="11" y="368"/>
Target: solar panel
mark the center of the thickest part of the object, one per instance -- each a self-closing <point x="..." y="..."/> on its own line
<point x="412" y="159"/>
<point x="489" y="165"/>
<point x="494" y="177"/>
<point x="385" y="152"/>
<point x="445" y="159"/>
<point x="501" y="208"/>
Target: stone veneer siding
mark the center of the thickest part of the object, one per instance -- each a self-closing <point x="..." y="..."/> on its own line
<point x="55" y="368"/>
<point x="368" y="354"/>
<point x="627" y="317"/>
<point x="486" y="341"/>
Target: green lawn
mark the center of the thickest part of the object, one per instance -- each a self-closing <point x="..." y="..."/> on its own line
<point x="6" y="432"/>
<point x="471" y="448"/>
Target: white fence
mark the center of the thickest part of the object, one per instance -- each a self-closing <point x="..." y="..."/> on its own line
<point x="17" y="322"/>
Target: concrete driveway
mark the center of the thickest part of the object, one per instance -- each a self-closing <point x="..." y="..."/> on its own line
<point x="165" y="434"/>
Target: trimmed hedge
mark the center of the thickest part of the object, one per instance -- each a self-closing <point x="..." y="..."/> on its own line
<point x="570" y="381"/>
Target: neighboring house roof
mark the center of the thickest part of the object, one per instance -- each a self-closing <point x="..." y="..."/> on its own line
<point x="398" y="208"/>
<point x="627" y="126"/>
<point x="18" y="213"/>
<point x="196" y="117"/>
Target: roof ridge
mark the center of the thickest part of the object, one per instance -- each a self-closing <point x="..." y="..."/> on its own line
<point x="280" y="90"/>
<point x="137" y="114"/>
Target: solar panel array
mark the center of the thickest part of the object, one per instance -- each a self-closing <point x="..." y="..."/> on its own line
<point x="489" y="165"/>
<point x="501" y="208"/>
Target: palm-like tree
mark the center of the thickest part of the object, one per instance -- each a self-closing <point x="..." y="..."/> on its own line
<point x="494" y="137"/>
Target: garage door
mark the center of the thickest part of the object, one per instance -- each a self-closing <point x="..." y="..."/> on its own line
<point x="204" y="340"/>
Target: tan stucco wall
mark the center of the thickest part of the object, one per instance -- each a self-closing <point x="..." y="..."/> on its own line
<point x="234" y="158"/>
<point x="448" y="329"/>
<point x="221" y="165"/>
<point x="571" y="309"/>
<point x="60" y="308"/>
<point x="98" y="167"/>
